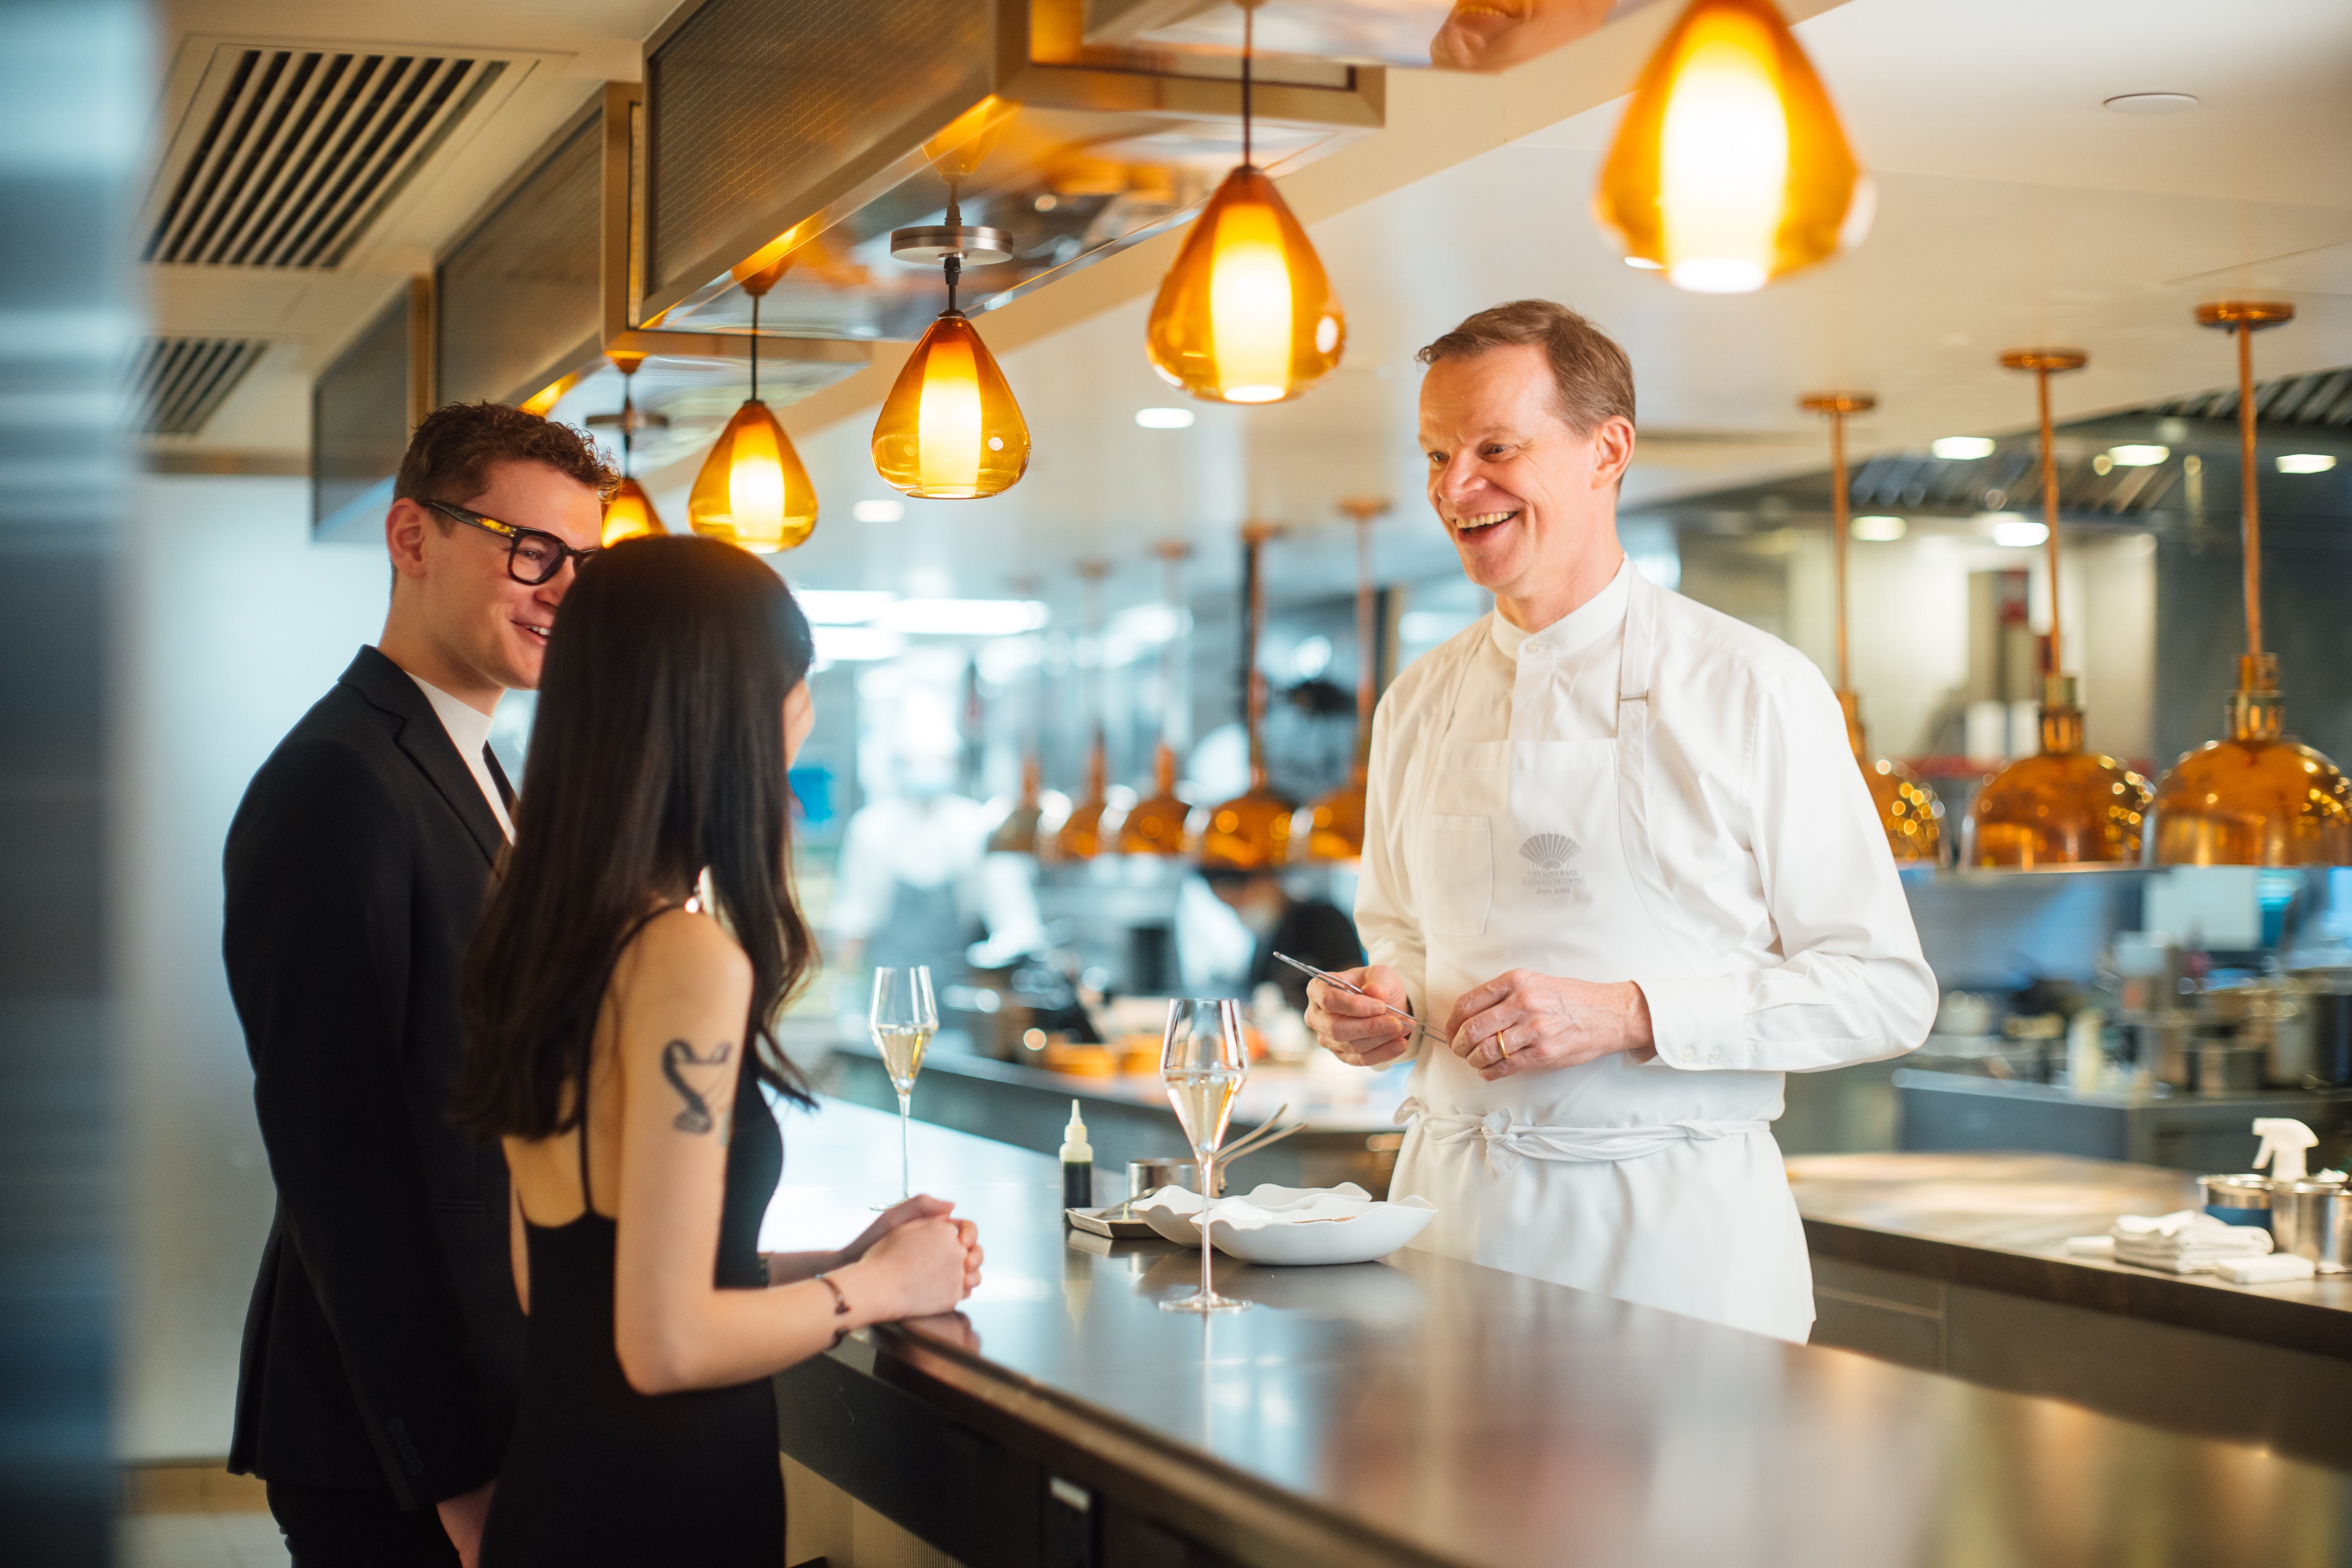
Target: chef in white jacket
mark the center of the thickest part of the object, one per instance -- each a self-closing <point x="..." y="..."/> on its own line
<point x="1618" y="852"/>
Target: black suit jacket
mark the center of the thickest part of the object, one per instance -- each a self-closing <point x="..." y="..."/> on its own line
<point x="384" y="1344"/>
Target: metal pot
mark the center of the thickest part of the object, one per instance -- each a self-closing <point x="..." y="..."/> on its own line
<point x="2219" y="1062"/>
<point x="2238" y="1199"/>
<point x="1145" y="1177"/>
<point x="2327" y="1008"/>
<point x="2312" y="1220"/>
<point x="2160" y="1042"/>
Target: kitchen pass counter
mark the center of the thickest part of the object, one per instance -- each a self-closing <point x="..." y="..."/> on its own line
<point x="1425" y="1411"/>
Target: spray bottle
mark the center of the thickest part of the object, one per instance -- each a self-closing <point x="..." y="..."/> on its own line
<point x="1078" y="1163"/>
<point x="2284" y="1141"/>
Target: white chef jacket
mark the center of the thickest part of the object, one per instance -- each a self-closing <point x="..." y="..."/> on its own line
<point x="1738" y="874"/>
<point x="1761" y="826"/>
<point x="937" y="843"/>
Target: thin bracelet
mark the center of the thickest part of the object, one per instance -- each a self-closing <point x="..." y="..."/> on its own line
<point x="840" y="1307"/>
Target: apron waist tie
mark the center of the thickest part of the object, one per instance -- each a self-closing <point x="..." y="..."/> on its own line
<point x="1505" y="1143"/>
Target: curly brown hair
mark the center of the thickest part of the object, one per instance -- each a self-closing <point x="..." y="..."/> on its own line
<point x="450" y="453"/>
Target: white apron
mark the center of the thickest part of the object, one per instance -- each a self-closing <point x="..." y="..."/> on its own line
<point x="1646" y="1182"/>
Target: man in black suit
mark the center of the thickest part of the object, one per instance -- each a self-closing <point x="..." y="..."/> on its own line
<point x="384" y="1342"/>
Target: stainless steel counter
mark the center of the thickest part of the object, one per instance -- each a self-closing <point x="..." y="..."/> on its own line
<point x="1426" y="1411"/>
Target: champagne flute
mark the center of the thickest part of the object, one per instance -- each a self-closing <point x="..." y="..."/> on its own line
<point x="1203" y="1059"/>
<point x="902" y="1021"/>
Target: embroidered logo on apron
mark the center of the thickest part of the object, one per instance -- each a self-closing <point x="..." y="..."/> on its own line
<point x="1548" y="855"/>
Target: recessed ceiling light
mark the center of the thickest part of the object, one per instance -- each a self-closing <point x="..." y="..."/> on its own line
<point x="2016" y="532"/>
<point x="879" y="511"/>
<point x="1879" y="530"/>
<point x="2152" y="103"/>
<point x="1164" y="418"/>
<point x="2305" y="463"/>
<point x="2138" y="455"/>
<point x="1961" y="447"/>
<point x="962" y="617"/>
<point x="845" y="644"/>
<point x="1645" y="263"/>
<point x="841" y="606"/>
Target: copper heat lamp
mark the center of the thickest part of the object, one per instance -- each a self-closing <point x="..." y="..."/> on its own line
<point x="1908" y="810"/>
<point x="1252" y="830"/>
<point x="2255" y="797"/>
<point x="2062" y="806"/>
<point x="1156" y="826"/>
<point x="1335" y="824"/>
<point x="1019" y="833"/>
<point x="1081" y="837"/>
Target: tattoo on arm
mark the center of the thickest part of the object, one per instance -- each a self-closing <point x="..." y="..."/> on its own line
<point x="678" y="1053"/>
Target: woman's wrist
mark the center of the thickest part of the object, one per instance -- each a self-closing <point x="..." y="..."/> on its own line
<point x="861" y="1289"/>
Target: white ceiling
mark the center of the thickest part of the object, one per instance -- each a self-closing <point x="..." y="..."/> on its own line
<point x="2013" y="208"/>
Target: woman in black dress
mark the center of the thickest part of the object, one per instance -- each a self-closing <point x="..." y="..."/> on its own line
<point x="619" y="1042"/>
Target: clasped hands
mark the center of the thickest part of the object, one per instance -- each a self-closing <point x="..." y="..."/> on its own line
<point x="1520" y="1021"/>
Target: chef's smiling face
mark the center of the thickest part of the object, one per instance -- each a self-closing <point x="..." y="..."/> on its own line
<point x="1527" y="500"/>
<point x="481" y="619"/>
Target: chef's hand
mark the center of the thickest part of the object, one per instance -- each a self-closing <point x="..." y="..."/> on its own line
<point x="1358" y="1030"/>
<point x="1521" y="1022"/>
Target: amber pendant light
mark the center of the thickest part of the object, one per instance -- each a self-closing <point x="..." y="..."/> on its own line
<point x="630" y="512"/>
<point x="1156" y="826"/>
<point x="1246" y="315"/>
<point x="1252" y="830"/>
<point x="1082" y="834"/>
<point x="1729" y="168"/>
<point x="949" y="430"/>
<point x="1908" y="810"/>
<point x="2255" y="796"/>
<point x="752" y="490"/>
<point x="2062" y="806"/>
<point x="1335" y="824"/>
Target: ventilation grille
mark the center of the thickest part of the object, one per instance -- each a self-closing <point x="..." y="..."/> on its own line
<point x="517" y="293"/>
<point x="290" y="155"/>
<point x="177" y="385"/>
<point x="750" y="102"/>
<point x="2324" y="397"/>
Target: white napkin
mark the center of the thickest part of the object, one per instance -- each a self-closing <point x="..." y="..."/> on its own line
<point x="2275" y="1269"/>
<point x="1269" y="1204"/>
<point x="2188" y="1242"/>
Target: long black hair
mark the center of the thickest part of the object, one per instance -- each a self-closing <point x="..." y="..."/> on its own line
<point x="658" y="751"/>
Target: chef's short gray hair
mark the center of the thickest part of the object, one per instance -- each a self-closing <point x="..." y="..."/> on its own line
<point x="1593" y="377"/>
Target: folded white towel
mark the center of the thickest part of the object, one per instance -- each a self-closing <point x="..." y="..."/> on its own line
<point x="2188" y="1242"/>
<point x="2091" y="1246"/>
<point x="2277" y="1269"/>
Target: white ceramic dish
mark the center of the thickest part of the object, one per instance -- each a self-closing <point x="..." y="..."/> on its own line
<point x="1292" y="1226"/>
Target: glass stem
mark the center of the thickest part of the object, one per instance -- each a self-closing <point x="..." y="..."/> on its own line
<point x="1208" y="1186"/>
<point x="905" y="1170"/>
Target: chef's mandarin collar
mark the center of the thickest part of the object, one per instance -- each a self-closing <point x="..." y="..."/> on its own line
<point x="1574" y="632"/>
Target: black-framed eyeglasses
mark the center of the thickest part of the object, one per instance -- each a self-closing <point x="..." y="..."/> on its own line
<point x="533" y="557"/>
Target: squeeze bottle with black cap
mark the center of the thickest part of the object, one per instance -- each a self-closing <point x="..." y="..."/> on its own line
<point x="1078" y="1163"/>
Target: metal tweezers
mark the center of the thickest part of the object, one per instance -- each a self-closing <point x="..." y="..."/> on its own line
<point x="1332" y="980"/>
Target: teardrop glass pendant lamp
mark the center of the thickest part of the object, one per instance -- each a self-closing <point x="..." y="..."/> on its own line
<point x="949" y="430"/>
<point x="1246" y="314"/>
<point x="1729" y="168"/>
<point x="1908" y="810"/>
<point x="2063" y="805"/>
<point x="629" y="514"/>
<point x="2257" y="796"/>
<point x="753" y="490"/>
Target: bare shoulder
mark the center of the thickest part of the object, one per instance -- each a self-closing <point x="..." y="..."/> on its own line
<point x="680" y="968"/>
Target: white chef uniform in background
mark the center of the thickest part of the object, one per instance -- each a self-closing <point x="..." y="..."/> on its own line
<point x="1644" y="789"/>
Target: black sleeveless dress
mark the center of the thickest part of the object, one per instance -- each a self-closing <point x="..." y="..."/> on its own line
<point x="599" y="1473"/>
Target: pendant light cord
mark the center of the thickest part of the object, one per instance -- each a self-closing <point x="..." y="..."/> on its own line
<point x="755" y="346"/>
<point x="628" y="426"/>
<point x="1249" y="24"/>
<point x="952" y="266"/>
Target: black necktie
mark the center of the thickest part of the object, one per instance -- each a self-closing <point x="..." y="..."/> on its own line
<point x="499" y="777"/>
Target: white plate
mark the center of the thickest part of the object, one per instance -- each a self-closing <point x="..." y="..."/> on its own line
<point x="1281" y="1225"/>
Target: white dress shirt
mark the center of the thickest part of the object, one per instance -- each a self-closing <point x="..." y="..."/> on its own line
<point x="1760" y="823"/>
<point x="470" y="731"/>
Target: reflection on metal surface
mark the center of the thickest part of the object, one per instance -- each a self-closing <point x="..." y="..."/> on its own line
<point x="1910" y="813"/>
<point x="1729" y="168"/>
<point x="2064" y="806"/>
<point x="1252" y="830"/>
<point x="1451" y="35"/>
<point x="752" y="490"/>
<point x="2256" y="797"/>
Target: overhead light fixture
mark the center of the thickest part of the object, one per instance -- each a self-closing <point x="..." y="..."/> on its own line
<point x="630" y="512"/>
<point x="1908" y="812"/>
<point x="2138" y="455"/>
<point x="879" y="511"/>
<point x="962" y="617"/>
<point x="1729" y="168"/>
<point x="2062" y="805"/>
<point x="2254" y="797"/>
<point x="949" y="430"/>
<point x="1880" y="530"/>
<point x="752" y="490"/>
<point x="2015" y="532"/>
<point x="1252" y="830"/>
<point x="2151" y="102"/>
<point x="1961" y="448"/>
<point x="1246" y="314"/>
<point x="1164" y="418"/>
<point x="842" y="606"/>
<point x="853" y="644"/>
<point x="2305" y="463"/>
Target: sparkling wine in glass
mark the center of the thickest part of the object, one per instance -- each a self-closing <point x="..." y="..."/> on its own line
<point x="902" y="1021"/>
<point x="1203" y="1059"/>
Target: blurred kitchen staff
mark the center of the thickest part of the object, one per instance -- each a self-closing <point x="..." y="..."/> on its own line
<point x="1617" y="847"/>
